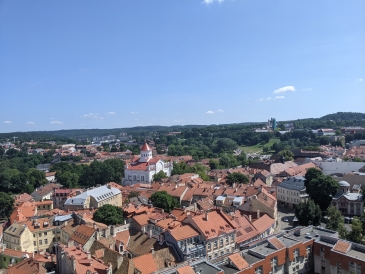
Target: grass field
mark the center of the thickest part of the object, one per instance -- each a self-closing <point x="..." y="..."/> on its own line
<point x="258" y="148"/>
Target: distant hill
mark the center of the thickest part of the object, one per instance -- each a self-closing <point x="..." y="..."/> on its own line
<point x="334" y="120"/>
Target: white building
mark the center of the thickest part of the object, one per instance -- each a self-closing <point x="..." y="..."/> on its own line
<point x="143" y="169"/>
<point x="291" y="191"/>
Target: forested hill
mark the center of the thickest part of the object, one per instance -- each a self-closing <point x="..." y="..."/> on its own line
<point x="335" y="120"/>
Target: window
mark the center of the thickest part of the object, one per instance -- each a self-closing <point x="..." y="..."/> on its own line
<point x="221" y="241"/>
<point x="222" y="253"/>
<point x="40" y="242"/>
<point x="46" y="241"/>
<point x="215" y="243"/>
<point x="215" y="255"/>
<point x="209" y="257"/>
<point x="33" y="235"/>
<point x="227" y="240"/>
<point x="258" y="270"/>
<point x="45" y="233"/>
<point x="40" y="234"/>
<point x="232" y="237"/>
<point x="209" y="246"/>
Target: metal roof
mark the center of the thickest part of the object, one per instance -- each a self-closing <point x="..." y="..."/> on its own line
<point x="98" y="193"/>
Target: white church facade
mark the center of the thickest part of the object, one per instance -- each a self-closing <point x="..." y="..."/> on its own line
<point x="143" y="169"/>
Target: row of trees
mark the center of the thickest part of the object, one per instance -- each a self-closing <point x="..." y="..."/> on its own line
<point x="71" y="175"/>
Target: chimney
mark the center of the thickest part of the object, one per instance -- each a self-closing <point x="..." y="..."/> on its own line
<point x="162" y="211"/>
<point x="88" y="255"/>
<point x="152" y="250"/>
<point x="3" y="247"/>
<point x="94" y="226"/>
<point x="250" y="218"/>
<point x="150" y="233"/>
<point x="70" y="243"/>
<point x="206" y="216"/>
<point x="258" y="214"/>
<point x="112" y="230"/>
<point x="109" y="186"/>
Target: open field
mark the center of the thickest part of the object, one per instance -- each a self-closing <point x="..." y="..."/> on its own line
<point x="258" y="147"/>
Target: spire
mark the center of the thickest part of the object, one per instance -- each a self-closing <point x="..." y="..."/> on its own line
<point x="146" y="147"/>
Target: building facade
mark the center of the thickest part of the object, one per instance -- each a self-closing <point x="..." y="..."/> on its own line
<point x="143" y="169"/>
<point x="348" y="203"/>
<point x="291" y="191"/>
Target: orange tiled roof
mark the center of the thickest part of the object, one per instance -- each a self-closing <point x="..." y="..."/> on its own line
<point x="82" y="234"/>
<point x="183" y="232"/>
<point x="145" y="263"/>
<point x="215" y="225"/>
<point x="276" y="242"/>
<point x="185" y="270"/>
<point x="27" y="266"/>
<point x="263" y="223"/>
<point x="342" y="246"/>
<point x="238" y="261"/>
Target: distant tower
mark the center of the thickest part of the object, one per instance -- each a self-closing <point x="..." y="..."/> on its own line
<point x="273" y="123"/>
<point x="146" y="153"/>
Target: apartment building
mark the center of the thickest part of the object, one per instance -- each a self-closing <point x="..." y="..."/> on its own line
<point x="291" y="191"/>
<point x="216" y="230"/>
<point x="18" y="237"/>
<point x="290" y="252"/>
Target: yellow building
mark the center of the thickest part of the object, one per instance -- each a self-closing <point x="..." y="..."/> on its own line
<point x="19" y="237"/>
<point x="95" y="198"/>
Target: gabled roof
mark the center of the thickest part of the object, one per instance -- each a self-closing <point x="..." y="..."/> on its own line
<point x="183" y="232"/>
<point x="82" y="234"/>
<point x="263" y="223"/>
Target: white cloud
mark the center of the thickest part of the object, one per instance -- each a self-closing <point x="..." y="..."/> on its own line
<point x="133" y="112"/>
<point x="359" y="80"/>
<point x="284" y="89"/>
<point x="261" y="99"/>
<point x="110" y="113"/>
<point x="7" y="122"/>
<point x="220" y="110"/>
<point x="29" y="123"/>
<point x="92" y="116"/>
<point x="178" y="120"/>
<point x="56" y="123"/>
<point x="210" y="112"/>
<point x="208" y="2"/>
<point x="268" y="98"/>
<point x="306" y="89"/>
<point x="279" y="97"/>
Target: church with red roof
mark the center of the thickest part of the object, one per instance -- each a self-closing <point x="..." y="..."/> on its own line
<point x="142" y="169"/>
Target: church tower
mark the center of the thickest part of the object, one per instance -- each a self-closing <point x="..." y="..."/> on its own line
<point x="146" y="153"/>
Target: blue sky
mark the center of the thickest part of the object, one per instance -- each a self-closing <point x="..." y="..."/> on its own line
<point x="107" y="64"/>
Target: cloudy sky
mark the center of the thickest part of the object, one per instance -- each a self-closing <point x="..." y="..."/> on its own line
<point x="105" y="64"/>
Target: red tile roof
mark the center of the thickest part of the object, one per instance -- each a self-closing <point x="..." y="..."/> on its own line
<point x="342" y="246"/>
<point x="146" y="147"/>
<point x="238" y="261"/>
<point x="82" y="234"/>
<point x="145" y="263"/>
<point x="185" y="270"/>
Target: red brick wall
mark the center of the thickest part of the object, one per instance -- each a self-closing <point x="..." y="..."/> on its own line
<point x="336" y="257"/>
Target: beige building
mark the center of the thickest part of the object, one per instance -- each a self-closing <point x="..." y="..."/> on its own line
<point x="218" y="233"/>
<point x="44" y="234"/>
<point x="95" y="198"/>
<point x="18" y="237"/>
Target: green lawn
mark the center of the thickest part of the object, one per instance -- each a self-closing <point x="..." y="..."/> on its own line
<point x="258" y="148"/>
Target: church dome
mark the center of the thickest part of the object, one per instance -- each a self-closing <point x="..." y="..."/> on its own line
<point x="343" y="183"/>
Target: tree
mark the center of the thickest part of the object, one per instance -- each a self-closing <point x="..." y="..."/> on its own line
<point x="308" y="213"/>
<point x="163" y="200"/>
<point x="321" y="188"/>
<point x="67" y="179"/>
<point x="335" y="219"/>
<point x="288" y="155"/>
<point x="36" y="177"/>
<point x="237" y="178"/>
<point x="133" y="194"/>
<point x="159" y="176"/>
<point x="6" y="205"/>
<point x="109" y="215"/>
<point x="356" y="233"/>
